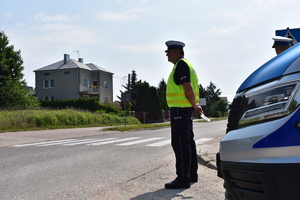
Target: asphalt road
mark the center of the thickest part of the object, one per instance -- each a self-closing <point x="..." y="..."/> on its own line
<point x="91" y="164"/>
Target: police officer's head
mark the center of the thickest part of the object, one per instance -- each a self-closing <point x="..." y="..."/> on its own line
<point x="175" y="50"/>
<point x="281" y="43"/>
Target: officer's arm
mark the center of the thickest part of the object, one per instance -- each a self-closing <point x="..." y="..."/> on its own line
<point x="190" y="95"/>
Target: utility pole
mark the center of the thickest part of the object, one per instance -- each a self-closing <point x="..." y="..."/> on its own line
<point x="127" y="100"/>
<point x="129" y="89"/>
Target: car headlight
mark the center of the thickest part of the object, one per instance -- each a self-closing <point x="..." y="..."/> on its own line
<point x="270" y="101"/>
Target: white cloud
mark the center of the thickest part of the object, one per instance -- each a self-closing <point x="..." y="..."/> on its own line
<point x="55" y="18"/>
<point x="63" y="35"/>
<point x="141" y="48"/>
<point x="141" y="1"/>
<point x="55" y="27"/>
<point x="222" y="30"/>
<point x="7" y="15"/>
<point x="271" y="4"/>
<point x="126" y="16"/>
<point x="144" y="1"/>
<point x="22" y="25"/>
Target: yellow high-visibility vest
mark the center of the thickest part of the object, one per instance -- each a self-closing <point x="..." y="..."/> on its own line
<point x="175" y="93"/>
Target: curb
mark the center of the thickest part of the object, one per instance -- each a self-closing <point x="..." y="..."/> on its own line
<point x="207" y="153"/>
<point x="206" y="161"/>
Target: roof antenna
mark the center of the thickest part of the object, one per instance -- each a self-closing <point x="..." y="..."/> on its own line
<point x="77" y="52"/>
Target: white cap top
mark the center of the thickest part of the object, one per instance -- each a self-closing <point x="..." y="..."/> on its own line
<point x="279" y="40"/>
<point x="173" y="44"/>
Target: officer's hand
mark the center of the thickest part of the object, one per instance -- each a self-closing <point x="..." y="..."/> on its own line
<point x="198" y="110"/>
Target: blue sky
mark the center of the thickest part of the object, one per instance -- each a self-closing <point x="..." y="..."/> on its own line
<point x="225" y="40"/>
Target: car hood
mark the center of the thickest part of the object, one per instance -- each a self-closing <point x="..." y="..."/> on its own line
<point x="285" y="63"/>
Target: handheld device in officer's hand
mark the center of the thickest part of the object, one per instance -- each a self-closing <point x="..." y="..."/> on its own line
<point x="204" y="117"/>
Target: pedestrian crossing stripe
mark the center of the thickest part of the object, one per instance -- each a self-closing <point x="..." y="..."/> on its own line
<point x="41" y="143"/>
<point x="96" y="142"/>
<point x="115" y="141"/>
<point x="140" y="141"/>
<point x="159" y="144"/>
<point x="87" y="141"/>
<point x="203" y="140"/>
<point x="68" y="142"/>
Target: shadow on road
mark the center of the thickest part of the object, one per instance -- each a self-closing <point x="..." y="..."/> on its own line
<point x="162" y="194"/>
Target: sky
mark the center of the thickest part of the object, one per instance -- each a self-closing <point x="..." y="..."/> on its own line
<point x="225" y="40"/>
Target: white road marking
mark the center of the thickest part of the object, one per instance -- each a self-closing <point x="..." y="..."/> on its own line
<point x="160" y="144"/>
<point x="115" y="141"/>
<point x="86" y="141"/>
<point x="63" y="142"/>
<point x="97" y="141"/>
<point x="40" y="143"/>
<point x="203" y="140"/>
<point x="140" y="141"/>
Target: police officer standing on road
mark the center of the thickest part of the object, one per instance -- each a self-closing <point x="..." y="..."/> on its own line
<point x="281" y="43"/>
<point x="182" y="98"/>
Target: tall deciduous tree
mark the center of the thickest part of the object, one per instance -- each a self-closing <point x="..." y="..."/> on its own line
<point x="13" y="89"/>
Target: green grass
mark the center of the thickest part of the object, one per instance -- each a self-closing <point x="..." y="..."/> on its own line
<point x="136" y="127"/>
<point x="22" y="120"/>
<point x="25" y="120"/>
<point x="150" y="126"/>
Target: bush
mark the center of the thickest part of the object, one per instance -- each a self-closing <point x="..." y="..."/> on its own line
<point x="92" y="105"/>
<point x="37" y="119"/>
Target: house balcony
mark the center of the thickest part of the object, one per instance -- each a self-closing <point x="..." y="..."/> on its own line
<point x="89" y="90"/>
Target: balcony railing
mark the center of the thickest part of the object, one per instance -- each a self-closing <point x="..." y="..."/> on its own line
<point x="89" y="89"/>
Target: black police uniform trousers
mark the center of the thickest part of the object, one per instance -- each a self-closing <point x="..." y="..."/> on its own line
<point x="183" y="143"/>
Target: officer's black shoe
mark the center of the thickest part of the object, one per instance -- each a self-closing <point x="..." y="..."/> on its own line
<point x="178" y="184"/>
<point x="194" y="179"/>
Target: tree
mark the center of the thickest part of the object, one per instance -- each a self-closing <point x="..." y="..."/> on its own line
<point x="202" y="90"/>
<point x="213" y="93"/>
<point x="130" y="92"/>
<point x="143" y="97"/>
<point x="149" y="98"/>
<point x="221" y="107"/>
<point x="162" y="88"/>
<point x="155" y="101"/>
<point x="13" y="89"/>
<point x="133" y="83"/>
<point x="213" y="101"/>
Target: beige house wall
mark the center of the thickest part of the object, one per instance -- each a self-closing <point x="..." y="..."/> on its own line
<point x="106" y="85"/>
<point x="65" y="84"/>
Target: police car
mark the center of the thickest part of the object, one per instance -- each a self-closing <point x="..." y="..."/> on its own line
<point x="259" y="157"/>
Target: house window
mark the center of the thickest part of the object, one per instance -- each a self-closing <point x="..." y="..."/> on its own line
<point x="85" y="96"/>
<point x="105" y="85"/>
<point x="49" y="98"/>
<point x="85" y="83"/>
<point x="51" y="83"/>
<point x="46" y="84"/>
<point x="67" y="72"/>
<point x="105" y="99"/>
<point x="46" y="74"/>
